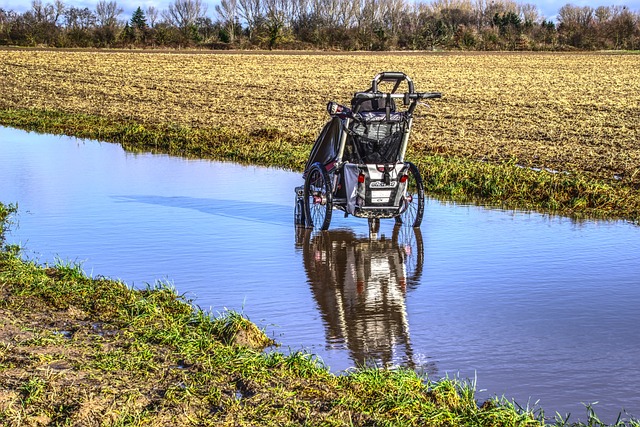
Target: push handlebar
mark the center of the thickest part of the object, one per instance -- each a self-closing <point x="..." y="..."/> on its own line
<point x="409" y="99"/>
<point x="391" y="76"/>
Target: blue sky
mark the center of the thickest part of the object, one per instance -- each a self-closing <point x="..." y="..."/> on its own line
<point x="548" y="8"/>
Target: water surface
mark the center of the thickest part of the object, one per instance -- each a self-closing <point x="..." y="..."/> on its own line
<point x="535" y="308"/>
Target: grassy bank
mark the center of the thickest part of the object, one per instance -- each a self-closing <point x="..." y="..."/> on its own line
<point x="87" y="351"/>
<point x="503" y="184"/>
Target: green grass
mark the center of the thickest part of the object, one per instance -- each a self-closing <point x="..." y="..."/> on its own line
<point x="7" y="214"/>
<point x="510" y="186"/>
<point x="504" y="185"/>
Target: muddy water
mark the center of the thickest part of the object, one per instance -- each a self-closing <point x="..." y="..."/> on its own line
<point x="535" y="308"/>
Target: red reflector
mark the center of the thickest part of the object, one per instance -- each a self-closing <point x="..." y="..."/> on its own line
<point x="404" y="178"/>
<point x="361" y="178"/>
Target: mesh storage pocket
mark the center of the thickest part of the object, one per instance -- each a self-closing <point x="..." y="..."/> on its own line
<point x="377" y="142"/>
<point x="383" y="150"/>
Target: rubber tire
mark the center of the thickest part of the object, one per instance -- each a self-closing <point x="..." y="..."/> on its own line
<point x="317" y="215"/>
<point x="298" y="213"/>
<point x="417" y="204"/>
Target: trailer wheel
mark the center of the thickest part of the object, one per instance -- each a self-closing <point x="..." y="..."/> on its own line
<point x="318" y="198"/>
<point x="298" y="212"/>
<point x="413" y="199"/>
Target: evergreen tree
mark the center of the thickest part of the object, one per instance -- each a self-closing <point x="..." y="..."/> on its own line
<point x="138" y="20"/>
<point x="139" y="27"/>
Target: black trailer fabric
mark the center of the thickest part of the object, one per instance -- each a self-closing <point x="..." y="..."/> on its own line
<point x="325" y="149"/>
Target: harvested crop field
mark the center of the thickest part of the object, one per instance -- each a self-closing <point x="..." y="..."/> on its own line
<point x="575" y="113"/>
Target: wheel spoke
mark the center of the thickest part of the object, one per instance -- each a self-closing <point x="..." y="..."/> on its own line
<point x="318" y="198"/>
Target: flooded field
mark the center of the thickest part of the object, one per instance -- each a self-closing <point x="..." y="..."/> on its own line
<point x="535" y="308"/>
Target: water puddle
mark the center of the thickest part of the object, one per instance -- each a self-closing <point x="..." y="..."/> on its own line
<point x="535" y="308"/>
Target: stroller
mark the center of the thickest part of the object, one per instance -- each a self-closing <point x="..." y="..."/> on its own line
<point x="357" y="163"/>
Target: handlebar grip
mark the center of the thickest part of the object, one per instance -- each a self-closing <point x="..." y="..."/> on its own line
<point x="367" y="95"/>
<point x="392" y="75"/>
<point x="429" y="95"/>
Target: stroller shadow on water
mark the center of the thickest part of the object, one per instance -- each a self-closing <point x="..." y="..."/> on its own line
<point x="268" y="213"/>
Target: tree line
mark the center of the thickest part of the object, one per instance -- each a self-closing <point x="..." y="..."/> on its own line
<point x="325" y="24"/>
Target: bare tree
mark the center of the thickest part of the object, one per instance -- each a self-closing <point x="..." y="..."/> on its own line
<point x="59" y="7"/>
<point x="616" y="26"/>
<point x="107" y="13"/>
<point x="47" y="13"/>
<point x="300" y="9"/>
<point x="454" y="13"/>
<point x="251" y="12"/>
<point x="576" y="15"/>
<point x="529" y="13"/>
<point x="500" y="7"/>
<point x="152" y="15"/>
<point x="279" y="11"/>
<point x="577" y="25"/>
<point x="4" y="19"/>
<point x="79" y="19"/>
<point x="278" y="16"/>
<point x="479" y="7"/>
<point x="370" y="25"/>
<point x="227" y="13"/>
<point x="438" y="6"/>
<point x="392" y="12"/>
<point x="40" y="23"/>
<point x="326" y="12"/>
<point x="184" y="13"/>
<point x="410" y="27"/>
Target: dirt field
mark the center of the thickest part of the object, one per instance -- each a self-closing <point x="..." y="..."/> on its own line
<point x="565" y="112"/>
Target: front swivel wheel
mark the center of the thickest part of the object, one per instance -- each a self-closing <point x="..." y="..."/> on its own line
<point x="318" y="199"/>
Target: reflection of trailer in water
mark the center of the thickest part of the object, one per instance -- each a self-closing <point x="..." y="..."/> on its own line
<point x="360" y="285"/>
<point x="357" y="164"/>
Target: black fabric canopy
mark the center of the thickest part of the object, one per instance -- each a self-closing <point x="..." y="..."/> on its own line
<point x="325" y="149"/>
